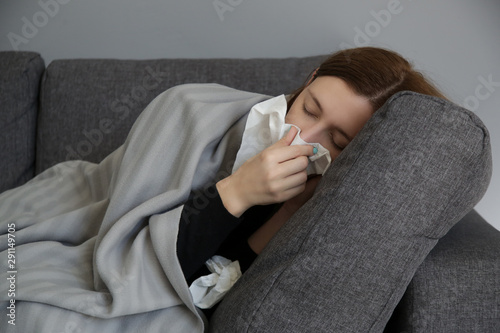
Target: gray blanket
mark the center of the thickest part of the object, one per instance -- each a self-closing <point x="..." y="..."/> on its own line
<point x="92" y="247"/>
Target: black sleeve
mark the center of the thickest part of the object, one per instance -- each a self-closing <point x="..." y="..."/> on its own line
<point x="207" y="228"/>
<point x="236" y="247"/>
<point x="205" y="224"/>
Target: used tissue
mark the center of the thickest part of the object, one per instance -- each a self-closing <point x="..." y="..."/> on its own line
<point x="208" y="290"/>
<point x="265" y="126"/>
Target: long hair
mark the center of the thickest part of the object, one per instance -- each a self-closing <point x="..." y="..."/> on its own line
<point x="374" y="73"/>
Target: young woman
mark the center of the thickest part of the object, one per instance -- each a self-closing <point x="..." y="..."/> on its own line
<point x="97" y="242"/>
<point x="255" y="201"/>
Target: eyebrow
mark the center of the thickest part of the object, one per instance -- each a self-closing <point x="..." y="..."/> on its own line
<point x="338" y="129"/>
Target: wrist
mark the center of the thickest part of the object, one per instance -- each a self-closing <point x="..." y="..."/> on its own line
<point x="232" y="200"/>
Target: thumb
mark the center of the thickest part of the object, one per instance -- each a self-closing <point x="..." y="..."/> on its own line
<point x="287" y="139"/>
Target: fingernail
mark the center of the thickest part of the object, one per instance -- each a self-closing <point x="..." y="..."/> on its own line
<point x="315" y="150"/>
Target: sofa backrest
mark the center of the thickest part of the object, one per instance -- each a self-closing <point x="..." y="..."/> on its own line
<point x="88" y="106"/>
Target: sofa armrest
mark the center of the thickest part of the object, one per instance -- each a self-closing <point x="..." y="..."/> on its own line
<point x="20" y="75"/>
<point x="343" y="262"/>
<point x="457" y="287"/>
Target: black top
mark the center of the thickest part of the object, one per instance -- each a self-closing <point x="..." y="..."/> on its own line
<point x="206" y="228"/>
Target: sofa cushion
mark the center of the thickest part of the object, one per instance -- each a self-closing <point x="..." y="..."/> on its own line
<point x="20" y="74"/>
<point x="457" y="287"/>
<point x="88" y="106"/>
<point x="345" y="259"/>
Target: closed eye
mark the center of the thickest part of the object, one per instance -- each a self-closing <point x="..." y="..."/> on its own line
<point x="310" y="114"/>
<point x="307" y="112"/>
<point x="335" y="144"/>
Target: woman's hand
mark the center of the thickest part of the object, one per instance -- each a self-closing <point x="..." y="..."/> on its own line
<point x="275" y="175"/>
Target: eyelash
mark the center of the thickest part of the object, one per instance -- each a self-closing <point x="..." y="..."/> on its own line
<point x="331" y="137"/>
<point x="307" y="112"/>
<point x="336" y="145"/>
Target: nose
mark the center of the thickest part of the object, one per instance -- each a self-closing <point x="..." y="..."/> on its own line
<point x="312" y="134"/>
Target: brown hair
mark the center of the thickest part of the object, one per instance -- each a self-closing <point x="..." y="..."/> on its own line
<point x="374" y="73"/>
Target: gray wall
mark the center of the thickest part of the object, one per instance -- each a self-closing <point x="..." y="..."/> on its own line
<point x="455" y="42"/>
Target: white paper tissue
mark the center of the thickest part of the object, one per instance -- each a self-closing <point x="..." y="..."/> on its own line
<point x="265" y="126"/>
<point x="208" y="290"/>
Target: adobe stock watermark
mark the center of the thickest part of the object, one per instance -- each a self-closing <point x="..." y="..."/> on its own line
<point x="30" y="27"/>
<point x="11" y="273"/>
<point x="224" y="6"/>
<point x="121" y="108"/>
<point x="483" y="91"/>
<point x="373" y="28"/>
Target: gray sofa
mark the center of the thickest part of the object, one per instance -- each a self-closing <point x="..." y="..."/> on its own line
<point x="83" y="109"/>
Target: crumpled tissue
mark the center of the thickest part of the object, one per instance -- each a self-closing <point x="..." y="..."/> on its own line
<point x="265" y="126"/>
<point x="208" y="290"/>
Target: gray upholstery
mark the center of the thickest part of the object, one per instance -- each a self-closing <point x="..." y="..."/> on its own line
<point x="455" y="289"/>
<point x="19" y="86"/>
<point x="343" y="262"/>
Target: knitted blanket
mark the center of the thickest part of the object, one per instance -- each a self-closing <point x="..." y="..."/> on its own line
<point x="92" y="247"/>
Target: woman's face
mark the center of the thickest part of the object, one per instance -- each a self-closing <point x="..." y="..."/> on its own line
<point x="329" y="112"/>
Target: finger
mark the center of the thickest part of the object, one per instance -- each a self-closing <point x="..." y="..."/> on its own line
<point x="291" y="152"/>
<point x="297" y="179"/>
<point x="293" y="192"/>
<point x="285" y="185"/>
<point x="287" y="139"/>
<point x="293" y="166"/>
<point x="274" y="157"/>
